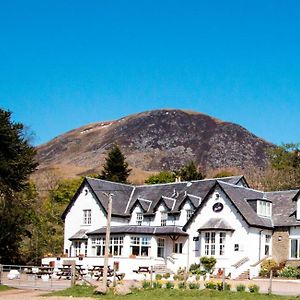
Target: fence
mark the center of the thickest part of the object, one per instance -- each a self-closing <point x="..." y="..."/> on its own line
<point x="33" y="277"/>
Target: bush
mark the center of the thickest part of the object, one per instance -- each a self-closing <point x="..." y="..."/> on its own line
<point x="227" y="287"/>
<point x="197" y="277"/>
<point x="181" y="285"/>
<point x="157" y="285"/>
<point x="166" y="276"/>
<point x="194" y="286"/>
<point x="253" y="288"/>
<point x="195" y="268"/>
<point x="208" y="262"/>
<point x="210" y="285"/>
<point x="266" y="267"/>
<point x="169" y="285"/>
<point x="180" y="271"/>
<point x="158" y="276"/>
<point x="240" y="288"/>
<point x="146" y="284"/>
<point x="178" y="277"/>
<point x="289" y="272"/>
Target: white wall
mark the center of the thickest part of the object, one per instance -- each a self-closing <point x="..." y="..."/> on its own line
<point x="247" y="237"/>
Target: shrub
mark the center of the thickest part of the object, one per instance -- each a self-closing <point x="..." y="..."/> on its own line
<point x="195" y="268"/>
<point x="175" y="277"/>
<point x="253" y="288"/>
<point x="146" y="284"/>
<point x="169" y="285"/>
<point x="289" y="272"/>
<point x="194" y="286"/>
<point x="210" y="285"/>
<point x="266" y="267"/>
<point x="178" y="277"/>
<point x="158" y="276"/>
<point x="157" y="285"/>
<point x="208" y="262"/>
<point x="197" y="277"/>
<point x="181" y="285"/>
<point x="240" y="288"/>
<point x="227" y="287"/>
<point x="180" y="271"/>
<point x="166" y="276"/>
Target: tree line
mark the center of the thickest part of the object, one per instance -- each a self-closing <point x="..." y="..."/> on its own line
<point x="30" y="218"/>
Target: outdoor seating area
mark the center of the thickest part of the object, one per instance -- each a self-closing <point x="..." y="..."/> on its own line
<point x="143" y="270"/>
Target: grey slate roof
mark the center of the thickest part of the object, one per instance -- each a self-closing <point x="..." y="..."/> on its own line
<point x="79" y="235"/>
<point x="132" y="229"/>
<point x="217" y="224"/>
<point x="284" y="207"/>
<point x="239" y="196"/>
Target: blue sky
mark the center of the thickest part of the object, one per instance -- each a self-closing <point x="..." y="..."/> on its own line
<point x="64" y="64"/>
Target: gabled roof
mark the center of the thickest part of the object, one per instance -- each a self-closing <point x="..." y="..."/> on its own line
<point x="79" y="235"/>
<point x="143" y="203"/>
<point x="238" y="196"/>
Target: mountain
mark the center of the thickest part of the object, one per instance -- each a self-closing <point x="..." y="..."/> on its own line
<point x="155" y="140"/>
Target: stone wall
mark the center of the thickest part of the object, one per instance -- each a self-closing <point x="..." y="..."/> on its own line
<point x="280" y="244"/>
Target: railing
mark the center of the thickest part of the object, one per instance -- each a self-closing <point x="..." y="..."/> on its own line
<point x="239" y="263"/>
<point x="36" y="277"/>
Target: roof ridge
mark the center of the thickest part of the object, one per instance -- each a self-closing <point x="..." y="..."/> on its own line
<point x="239" y="186"/>
<point x="112" y="182"/>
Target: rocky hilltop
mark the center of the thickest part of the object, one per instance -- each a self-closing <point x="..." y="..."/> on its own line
<point x="156" y="140"/>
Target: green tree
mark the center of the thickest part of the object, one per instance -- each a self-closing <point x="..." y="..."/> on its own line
<point x="116" y="168"/>
<point x="161" y="177"/>
<point x="284" y="169"/>
<point x="17" y="196"/>
<point x="189" y="172"/>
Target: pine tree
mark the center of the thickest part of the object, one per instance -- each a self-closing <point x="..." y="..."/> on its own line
<point x="189" y="172"/>
<point x="17" y="196"/>
<point x="116" y="168"/>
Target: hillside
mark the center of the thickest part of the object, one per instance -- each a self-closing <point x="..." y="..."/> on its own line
<point x="155" y="140"/>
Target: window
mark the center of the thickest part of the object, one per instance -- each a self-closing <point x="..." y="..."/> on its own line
<point x="295" y="248"/>
<point x="87" y="216"/>
<point x="178" y="247"/>
<point x="115" y="245"/>
<point x="222" y="239"/>
<point x="189" y="213"/>
<point x="214" y="243"/>
<point x="77" y="247"/>
<point x="210" y="241"/>
<point x="140" y="246"/>
<point x="139" y="219"/>
<point x="264" y="208"/>
<point x="85" y="249"/>
<point x="164" y="217"/>
<point x="267" y="244"/>
<point x="160" y="247"/>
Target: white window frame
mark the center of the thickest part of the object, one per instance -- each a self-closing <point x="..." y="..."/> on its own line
<point x="87" y="216"/>
<point x="189" y="213"/>
<point x="140" y="242"/>
<point x="215" y="243"/>
<point x="139" y="218"/>
<point x="297" y="248"/>
<point x="264" y="208"/>
<point x="163" y="218"/>
<point x="178" y="248"/>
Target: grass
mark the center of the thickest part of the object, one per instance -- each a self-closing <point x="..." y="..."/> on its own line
<point x="5" y="288"/>
<point x="169" y="294"/>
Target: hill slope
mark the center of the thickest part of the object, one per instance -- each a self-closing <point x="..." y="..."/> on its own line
<point x="156" y="140"/>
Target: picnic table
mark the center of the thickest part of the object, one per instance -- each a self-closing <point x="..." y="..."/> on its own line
<point x="97" y="272"/>
<point x="142" y="269"/>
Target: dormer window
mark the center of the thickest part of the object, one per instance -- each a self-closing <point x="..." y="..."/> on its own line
<point x="163" y="220"/>
<point x="189" y="213"/>
<point x="139" y="219"/>
<point x="264" y="208"/>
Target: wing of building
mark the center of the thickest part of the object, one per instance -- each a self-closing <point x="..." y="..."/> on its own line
<point x="172" y="225"/>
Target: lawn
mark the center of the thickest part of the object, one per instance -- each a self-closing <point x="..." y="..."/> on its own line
<point x="4" y="288"/>
<point x="165" y="294"/>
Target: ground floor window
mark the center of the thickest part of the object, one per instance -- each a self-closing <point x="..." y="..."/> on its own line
<point x="294" y="246"/>
<point x="178" y="247"/>
<point x="77" y="247"/>
<point x="161" y="248"/>
<point x="267" y="244"/>
<point x="140" y="246"/>
<point x="214" y="243"/>
<point x="115" y="245"/>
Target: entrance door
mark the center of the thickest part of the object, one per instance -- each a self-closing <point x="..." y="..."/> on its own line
<point x="161" y="248"/>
